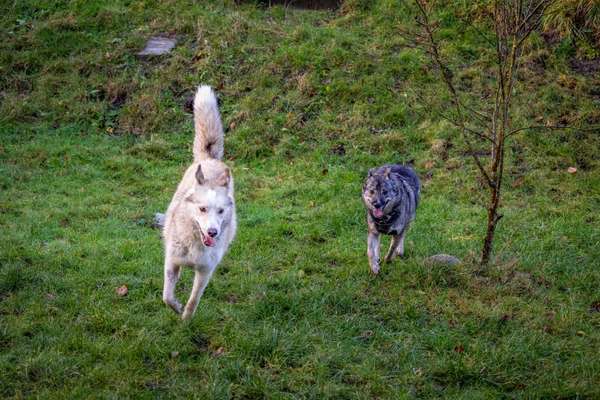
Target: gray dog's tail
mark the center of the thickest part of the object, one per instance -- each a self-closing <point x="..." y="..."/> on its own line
<point x="208" y="140"/>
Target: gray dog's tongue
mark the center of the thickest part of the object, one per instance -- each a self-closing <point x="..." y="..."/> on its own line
<point x="377" y="213"/>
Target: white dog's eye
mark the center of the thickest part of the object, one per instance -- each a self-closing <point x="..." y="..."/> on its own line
<point x="203" y="209"/>
<point x="221" y="211"/>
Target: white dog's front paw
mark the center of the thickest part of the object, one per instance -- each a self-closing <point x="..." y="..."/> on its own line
<point x="375" y="268"/>
<point x="174" y="304"/>
<point x="187" y="315"/>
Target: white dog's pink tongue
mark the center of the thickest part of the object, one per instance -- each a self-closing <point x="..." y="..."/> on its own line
<point x="377" y="213"/>
<point x="208" y="241"/>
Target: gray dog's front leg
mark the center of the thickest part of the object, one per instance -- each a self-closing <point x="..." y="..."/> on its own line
<point x="396" y="247"/>
<point x="373" y="251"/>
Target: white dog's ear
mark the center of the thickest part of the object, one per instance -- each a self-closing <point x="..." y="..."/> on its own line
<point x="189" y="195"/>
<point x="223" y="179"/>
<point x="200" y="175"/>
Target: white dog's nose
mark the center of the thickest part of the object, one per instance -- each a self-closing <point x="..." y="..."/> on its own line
<point x="212" y="232"/>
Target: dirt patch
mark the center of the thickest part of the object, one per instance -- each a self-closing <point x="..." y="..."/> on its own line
<point x="300" y="4"/>
<point x="585" y="67"/>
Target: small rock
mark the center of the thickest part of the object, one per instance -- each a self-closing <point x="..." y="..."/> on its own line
<point x="442" y="259"/>
<point x="158" y="45"/>
<point x="572" y="170"/>
<point x="366" y="334"/>
<point x="174" y="354"/>
<point x="122" y="291"/>
<point x="159" y="221"/>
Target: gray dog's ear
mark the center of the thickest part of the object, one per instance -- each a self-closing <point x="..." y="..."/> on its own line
<point x="200" y="175"/>
<point x="223" y="179"/>
<point x="386" y="172"/>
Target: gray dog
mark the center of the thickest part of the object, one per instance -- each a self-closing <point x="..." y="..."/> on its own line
<point x="391" y="195"/>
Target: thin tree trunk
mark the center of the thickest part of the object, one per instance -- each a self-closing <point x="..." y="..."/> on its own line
<point x="492" y="221"/>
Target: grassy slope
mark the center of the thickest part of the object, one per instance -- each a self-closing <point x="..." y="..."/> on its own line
<point x="93" y="142"/>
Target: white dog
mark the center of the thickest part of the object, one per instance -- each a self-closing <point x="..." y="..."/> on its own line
<point x="200" y="221"/>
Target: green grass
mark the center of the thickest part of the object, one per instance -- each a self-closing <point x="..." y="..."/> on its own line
<point x="94" y="141"/>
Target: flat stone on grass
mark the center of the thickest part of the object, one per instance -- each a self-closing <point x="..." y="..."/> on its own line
<point x="157" y="45"/>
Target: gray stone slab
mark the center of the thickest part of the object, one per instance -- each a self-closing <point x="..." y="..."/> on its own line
<point x="158" y="45"/>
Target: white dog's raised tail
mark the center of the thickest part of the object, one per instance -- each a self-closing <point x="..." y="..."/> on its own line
<point x="208" y="139"/>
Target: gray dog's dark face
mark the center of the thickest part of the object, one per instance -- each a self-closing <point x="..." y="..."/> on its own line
<point x="379" y="192"/>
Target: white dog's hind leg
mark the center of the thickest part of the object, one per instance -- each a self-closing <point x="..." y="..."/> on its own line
<point x="171" y="277"/>
<point x="200" y="281"/>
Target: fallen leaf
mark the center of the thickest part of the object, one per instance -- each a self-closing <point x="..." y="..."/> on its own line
<point x="218" y="352"/>
<point x="580" y="333"/>
<point x="122" y="291"/>
<point x="571" y="170"/>
<point x="174" y="354"/>
<point x="459" y="348"/>
<point x="518" y="182"/>
<point x="50" y="296"/>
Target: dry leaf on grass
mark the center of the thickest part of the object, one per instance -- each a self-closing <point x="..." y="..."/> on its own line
<point x="218" y="352"/>
<point x="122" y="291"/>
